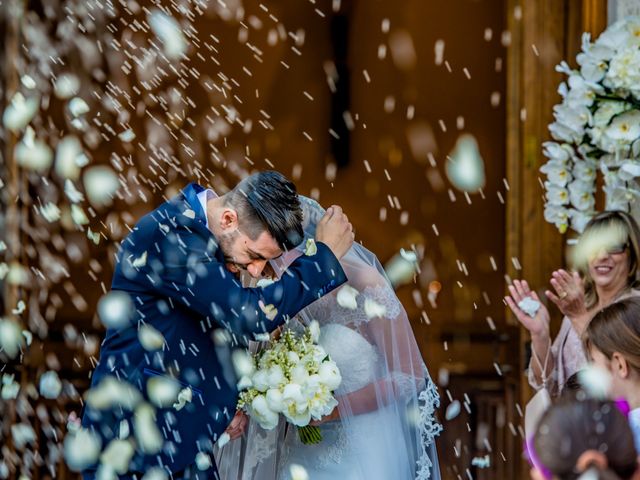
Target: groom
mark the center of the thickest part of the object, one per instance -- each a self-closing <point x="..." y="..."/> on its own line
<point x="179" y="265"/>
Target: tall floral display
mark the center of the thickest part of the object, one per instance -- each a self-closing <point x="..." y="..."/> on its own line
<point x="596" y="127"/>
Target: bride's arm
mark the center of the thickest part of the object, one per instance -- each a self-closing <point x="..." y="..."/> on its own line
<point x="402" y="367"/>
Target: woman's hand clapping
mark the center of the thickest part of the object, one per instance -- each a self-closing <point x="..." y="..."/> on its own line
<point x="538" y="325"/>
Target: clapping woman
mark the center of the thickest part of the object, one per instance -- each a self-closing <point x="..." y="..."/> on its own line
<point x="606" y="262"/>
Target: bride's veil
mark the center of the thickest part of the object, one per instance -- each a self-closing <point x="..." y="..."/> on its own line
<point x="401" y="387"/>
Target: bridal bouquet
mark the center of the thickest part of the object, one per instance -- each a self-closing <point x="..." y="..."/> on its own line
<point x="597" y="127"/>
<point x="294" y="378"/>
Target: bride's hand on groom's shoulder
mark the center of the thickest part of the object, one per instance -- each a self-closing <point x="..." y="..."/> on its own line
<point x="332" y="417"/>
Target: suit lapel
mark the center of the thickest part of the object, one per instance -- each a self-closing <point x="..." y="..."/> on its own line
<point x="188" y="200"/>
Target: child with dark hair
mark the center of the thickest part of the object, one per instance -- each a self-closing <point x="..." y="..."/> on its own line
<point x="583" y="439"/>
<point x="612" y="341"/>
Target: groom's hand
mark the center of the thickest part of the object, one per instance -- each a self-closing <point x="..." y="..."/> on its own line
<point x="237" y="425"/>
<point x="335" y="231"/>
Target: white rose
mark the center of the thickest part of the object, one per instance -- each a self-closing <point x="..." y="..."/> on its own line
<point x="318" y="354"/>
<point x="330" y="375"/>
<point x="274" y="400"/>
<point x="299" y="374"/>
<point x="275" y="376"/>
<point x="292" y="393"/>
<point x="298" y="418"/>
<point x="267" y="418"/>
<point x="260" y="380"/>
<point x="322" y="406"/>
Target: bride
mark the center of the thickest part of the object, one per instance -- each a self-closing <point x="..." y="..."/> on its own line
<point x="384" y="425"/>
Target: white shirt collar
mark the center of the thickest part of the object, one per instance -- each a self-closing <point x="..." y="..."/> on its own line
<point x="203" y="197"/>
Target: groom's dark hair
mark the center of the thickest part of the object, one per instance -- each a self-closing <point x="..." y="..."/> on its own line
<point x="268" y="200"/>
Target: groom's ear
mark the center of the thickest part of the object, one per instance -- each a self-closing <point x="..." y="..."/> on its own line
<point x="229" y="219"/>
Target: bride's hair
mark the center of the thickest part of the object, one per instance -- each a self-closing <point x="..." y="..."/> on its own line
<point x="576" y="436"/>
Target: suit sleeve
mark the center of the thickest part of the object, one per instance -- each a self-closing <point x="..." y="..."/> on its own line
<point x="200" y="282"/>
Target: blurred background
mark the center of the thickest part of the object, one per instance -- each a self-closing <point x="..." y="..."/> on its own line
<point x="423" y="119"/>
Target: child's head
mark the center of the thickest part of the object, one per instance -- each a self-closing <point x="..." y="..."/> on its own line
<point x="574" y="437"/>
<point x="612" y="341"/>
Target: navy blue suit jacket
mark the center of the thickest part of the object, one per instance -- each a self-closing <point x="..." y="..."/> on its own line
<point x="174" y="272"/>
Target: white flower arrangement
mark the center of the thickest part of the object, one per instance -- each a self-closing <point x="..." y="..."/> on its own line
<point x="294" y="378"/>
<point x="596" y="127"/>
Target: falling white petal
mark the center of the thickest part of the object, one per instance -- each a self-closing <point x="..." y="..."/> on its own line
<point x="81" y="449"/>
<point x="310" y="248"/>
<point x="347" y="297"/>
<point x="100" y="184"/>
<point x="529" y="306"/>
<point x="162" y="391"/>
<point x="185" y="396"/>
<point x="32" y="153"/>
<point x="10" y="388"/>
<point x="78" y="107"/>
<point x="401" y="268"/>
<point x="50" y="385"/>
<point x="10" y="337"/>
<point x="595" y="381"/>
<point x="147" y="434"/>
<point x="453" y="410"/>
<point x="117" y="455"/>
<point x="67" y="153"/>
<point x="242" y="362"/>
<point x="28" y="82"/>
<point x="141" y="261"/>
<point x="72" y="192"/>
<point x="111" y="392"/>
<point x="298" y="472"/>
<point x="156" y="473"/>
<point x="115" y="309"/>
<point x="20" y="111"/>
<point x="264" y="282"/>
<point x="127" y="135"/>
<point x="270" y="311"/>
<point x="66" y="86"/>
<point x="203" y="461"/>
<point x="50" y="212"/>
<point x="373" y="309"/>
<point x="150" y="338"/>
<point x="465" y="167"/>
<point x="168" y="30"/>
<point x="223" y="440"/>
<point x="78" y="215"/>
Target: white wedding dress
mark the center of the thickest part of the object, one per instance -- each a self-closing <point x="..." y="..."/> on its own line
<point x="387" y="427"/>
<point x="373" y="434"/>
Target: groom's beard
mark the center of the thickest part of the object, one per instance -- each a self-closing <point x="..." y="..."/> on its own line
<point x="227" y="241"/>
